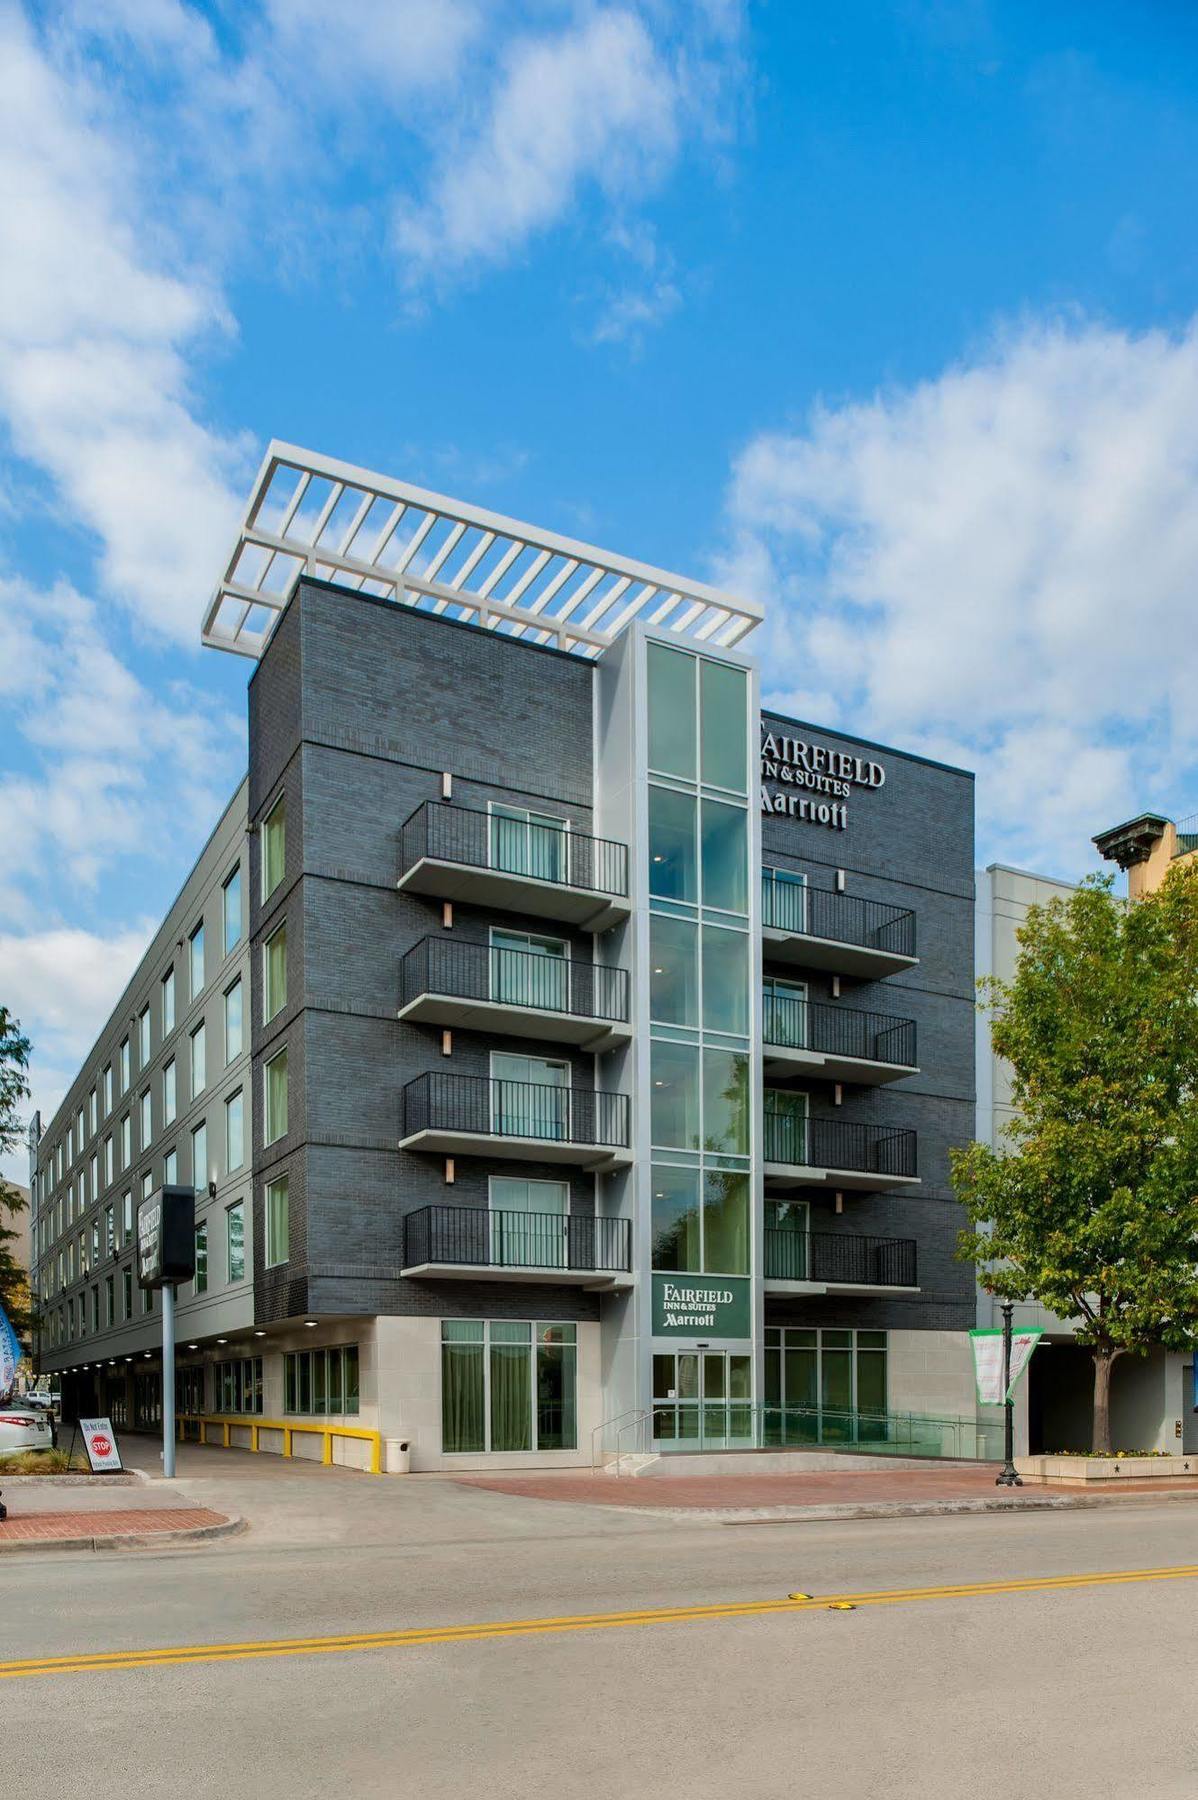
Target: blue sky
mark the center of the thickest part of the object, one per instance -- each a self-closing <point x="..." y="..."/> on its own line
<point x="883" y="311"/>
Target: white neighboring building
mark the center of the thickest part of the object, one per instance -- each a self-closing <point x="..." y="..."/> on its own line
<point x="1150" y="1396"/>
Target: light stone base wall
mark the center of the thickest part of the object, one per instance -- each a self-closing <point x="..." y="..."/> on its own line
<point x="931" y="1372"/>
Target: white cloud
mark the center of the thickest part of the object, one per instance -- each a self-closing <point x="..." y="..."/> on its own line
<point x="110" y="770"/>
<point x="1001" y="561"/>
<point x="96" y="326"/>
<point x="62" y="984"/>
<point x="599" y="104"/>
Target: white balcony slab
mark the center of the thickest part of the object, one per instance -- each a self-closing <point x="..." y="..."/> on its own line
<point x="828" y="1065"/>
<point x="807" y="952"/>
<point x="585" y="907"/>
<point x="505" y="1018"/>
<point x="592" y="1279"/>
<point x="800" y="1175"/>
<point x="442" y="1140"/>
<point x="772" y="1286"/>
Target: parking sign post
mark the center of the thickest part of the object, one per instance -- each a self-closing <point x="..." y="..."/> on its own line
<point x="166" y="1255"/>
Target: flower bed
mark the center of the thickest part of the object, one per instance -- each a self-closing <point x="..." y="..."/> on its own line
<point x="1070" y="1468"/>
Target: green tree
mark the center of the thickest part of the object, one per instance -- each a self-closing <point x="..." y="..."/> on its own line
<point x="14" y="1087"/>
<point x="1090" y="1206"/>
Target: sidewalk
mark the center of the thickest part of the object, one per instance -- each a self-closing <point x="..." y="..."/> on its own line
<point x="101" y="1512"/>
<point x="822" y="1494"/>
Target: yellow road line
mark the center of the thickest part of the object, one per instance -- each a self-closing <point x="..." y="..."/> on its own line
<point x="175" y="1655"/>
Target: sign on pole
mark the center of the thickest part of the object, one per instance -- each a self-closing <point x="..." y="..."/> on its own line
<point x="987" y="1362"/>
<point x="166" y="1244"/>
<point x="10" y="1354"/>
<point x="99" y="1440"/>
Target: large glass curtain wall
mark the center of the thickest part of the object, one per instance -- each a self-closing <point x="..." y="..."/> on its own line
<point x="699" y="965"/>
<point x="508" y="1384"/>
<point x="824" y="1387"/>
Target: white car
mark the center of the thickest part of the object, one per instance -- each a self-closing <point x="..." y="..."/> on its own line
<point x="24" y="1428"/>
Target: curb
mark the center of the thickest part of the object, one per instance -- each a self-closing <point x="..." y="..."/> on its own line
<point x="926" y="1509"/>
<point x="131" y="1540"/>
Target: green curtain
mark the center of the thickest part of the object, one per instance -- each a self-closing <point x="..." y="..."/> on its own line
<point x="511" y="1399"/>
<point x="557" y="1424"/>
<point x="462" y="1397"/>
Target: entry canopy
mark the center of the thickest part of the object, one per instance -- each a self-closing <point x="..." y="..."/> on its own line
<point x="310" y="513"/>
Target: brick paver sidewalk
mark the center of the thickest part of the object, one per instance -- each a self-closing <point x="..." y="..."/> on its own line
<point x="814" y="1488"/>
<point x="140" y="1521"/>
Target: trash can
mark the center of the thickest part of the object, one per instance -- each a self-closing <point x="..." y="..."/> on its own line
<point x="397" y="1459"/>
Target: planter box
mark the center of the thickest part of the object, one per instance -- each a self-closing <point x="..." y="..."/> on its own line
<point x="1087" y="1470"/>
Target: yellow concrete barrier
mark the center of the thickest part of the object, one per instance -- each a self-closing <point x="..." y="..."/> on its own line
<point x="290" y="1428"/>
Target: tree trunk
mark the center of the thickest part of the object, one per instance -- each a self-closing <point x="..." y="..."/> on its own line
<point x="1104" y="1361"/>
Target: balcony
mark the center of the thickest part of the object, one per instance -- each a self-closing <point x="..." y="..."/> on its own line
<point x="483" y="987"/>
<point x="835" y="1153"/>
<point x="837" y="1262"/>
<point x="568" y="1249"/>
<point x="534" y="865"/>
<point x="835" y="1042"/>
<point x="530" y="1121"/>
<point x="817" y="928"/>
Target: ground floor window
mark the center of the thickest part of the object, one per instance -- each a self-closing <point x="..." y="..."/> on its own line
<point x="147" y="1401"/>
<point x="824" y="1386"/>
<point x="508" y="1384"/>
<point x="239" y="1385"/>
<point x="321" y="1381"/>
<point x="191" y="1389"/>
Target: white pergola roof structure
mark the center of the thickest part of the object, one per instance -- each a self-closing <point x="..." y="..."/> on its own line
<point x="311" y="514"/>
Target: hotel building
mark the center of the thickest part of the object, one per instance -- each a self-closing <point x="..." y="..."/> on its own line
<point x="565" y="1052"/>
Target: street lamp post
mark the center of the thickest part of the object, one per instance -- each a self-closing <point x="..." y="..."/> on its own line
<point x="1008" y="1477"/>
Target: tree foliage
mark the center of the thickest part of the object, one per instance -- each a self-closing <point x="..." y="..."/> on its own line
<point x="14" y="1088"/>
<point x="1090" y="1205"/>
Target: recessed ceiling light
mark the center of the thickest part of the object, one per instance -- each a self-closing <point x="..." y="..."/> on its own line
<point x="310" y="1323"/>
<point x="193" y="1346"/>
<point x="222" y="1340"/>
<point x="259" y="1334"/>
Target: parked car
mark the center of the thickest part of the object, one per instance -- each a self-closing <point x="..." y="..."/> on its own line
<point x="24" y="1428"/>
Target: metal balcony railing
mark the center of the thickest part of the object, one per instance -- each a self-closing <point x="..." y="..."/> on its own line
<point x="516" y="1240"/>
<point x="839" y="1256"/>
<point x="496" y="1107"/>
<point x="798" y="908"/>
<point x="539" y="850"/>
<point x="792" y="1023"/>
<point x="836" y="1143"/>
<point x="559" y="984"/>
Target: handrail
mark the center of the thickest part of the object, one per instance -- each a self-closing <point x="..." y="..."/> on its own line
<point x="539" y="849"/>
<point x="518" y="978"/>
<point x="494" y="1106"/>
<point x="484" y="1237"/>
<point x="605" y="1425"/>
<point x="802" y="910"/>
<point x="791" y="1022"/>
<point x="639" y="1419"/>
<point x="289" y="1429"/>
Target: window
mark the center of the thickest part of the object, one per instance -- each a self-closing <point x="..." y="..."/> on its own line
<point x="109" y="1300"/>
<point x="235" y="1242"/>
<point x="169" y="1094"/>
<point x="199" y="1060"/>
<point x="321" y="1381"/>
<point x="191" y="1389"/>
<point x="127" y="1292"/>
<point x="170" y="1168"/>
<point x="784" y="899"/>
<point x="234" y="1131"/>
<point x="143" y="1037"/>
<point x="147" y="1128"/>
<point x="200" y="1285"/>
<point x="106" y="1088"/>
<point x="95" y="1242"/>
<point x="79" y="1131"/>
<point x="825" y="1386"/>
<point x="278" y="1223"/>
<point x="529" y="843"/>
<point x="147" y="1184"/>
<point x="110" y="1232"/>
<point x="530" y="1096"/>
<point x="232" y="1022"/>
<point x="274" y="847"/>
<point x="274" y="973"/>
<point x="507" y="1384"/>
<point x="124" y="1061"/>
<point x="275" y="1095"/>
<point x="108" y="1162"/>
<point x="199" y="1157"/>
<point x="700" y="1220"/>
<point x="168" y="1002"/>
<point x="127" y="1216"/>
<point x="96" y="1308"/>
<point x="238" y="1385"/>
<point x="91" y="1113"/>
<point x="93" y="1169"/>
<point x="195" y="961"/>
<point x="126" y="1141"/>
<point x="529" y="1222"/>
<point x="671" y="711"/>
<point x="231" y="910"/>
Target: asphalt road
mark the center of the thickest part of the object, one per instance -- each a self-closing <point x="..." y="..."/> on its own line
<point x="1053" y="1690"/>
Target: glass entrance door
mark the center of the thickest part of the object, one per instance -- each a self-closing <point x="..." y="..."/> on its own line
<point x="530" y="971"/>
<point x="785" y="1020"/>
<point x="702" y="1400"/>
<point x="528" y="843"/>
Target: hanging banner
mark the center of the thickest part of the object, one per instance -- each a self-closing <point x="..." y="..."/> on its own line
<point x="10" y="1354"/>
<point x="988" y="1358"/>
